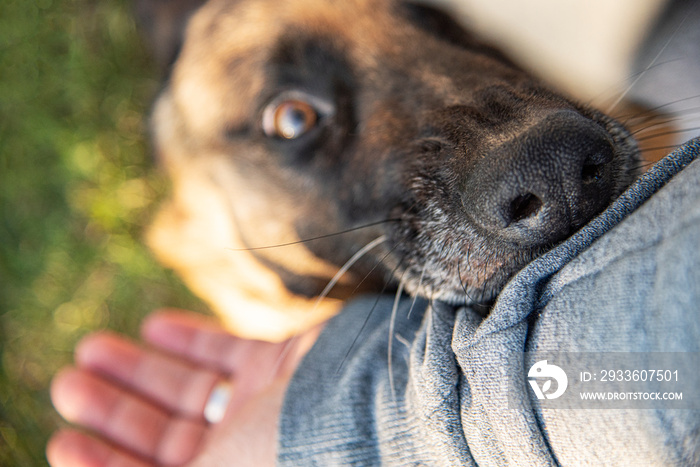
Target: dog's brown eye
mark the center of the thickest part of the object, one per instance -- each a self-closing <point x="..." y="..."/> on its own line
<point x="289" y="119"/>
<point x="292" y="119"/>
<point x="293" y="114"/>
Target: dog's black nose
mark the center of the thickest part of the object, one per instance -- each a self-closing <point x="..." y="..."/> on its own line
<point x="540" y="186"/>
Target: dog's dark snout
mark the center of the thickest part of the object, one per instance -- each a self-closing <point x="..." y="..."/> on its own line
<point x="538" y="187"/>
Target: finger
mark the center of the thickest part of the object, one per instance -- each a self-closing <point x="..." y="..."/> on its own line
<point x="123" y="419"/>
<point x="170" y="382"/>
<point x="251" y="437"/>
<point x="69" y="448"/>
<point x="201" y="340"/>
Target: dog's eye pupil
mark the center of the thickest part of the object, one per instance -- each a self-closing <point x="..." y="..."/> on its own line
<point x="293" y="118"/>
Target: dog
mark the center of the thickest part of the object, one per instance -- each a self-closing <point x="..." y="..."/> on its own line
<point x="306" y="137"/>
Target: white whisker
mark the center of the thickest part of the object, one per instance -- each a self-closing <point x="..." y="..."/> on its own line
<point x="665" y="133"/>
<point x="348" y="264"/>
<point x="644" y="72"/>
<point x="650" y="114"/>
<point x="415" y="295"/>
<point x="608" y="93"/>
<point x="324" y="293"/>
<point x="392" y="321"/>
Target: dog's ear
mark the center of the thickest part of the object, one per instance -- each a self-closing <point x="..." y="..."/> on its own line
<point x="163" y="23"/>
<point x="439" y="21"/>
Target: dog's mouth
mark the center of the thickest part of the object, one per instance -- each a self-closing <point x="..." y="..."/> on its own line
<point x="459" y="239"/>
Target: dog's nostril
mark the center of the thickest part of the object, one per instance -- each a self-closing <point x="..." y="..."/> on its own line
<point x="594" y="163"/>
<point x="524" y="206"/>
<point x="590" y="173"/>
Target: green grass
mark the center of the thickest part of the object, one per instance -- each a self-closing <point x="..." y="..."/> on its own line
<point x="76" y="190"/>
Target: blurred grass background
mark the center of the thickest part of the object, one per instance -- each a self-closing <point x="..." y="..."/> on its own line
<point x="76" y="189"/>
